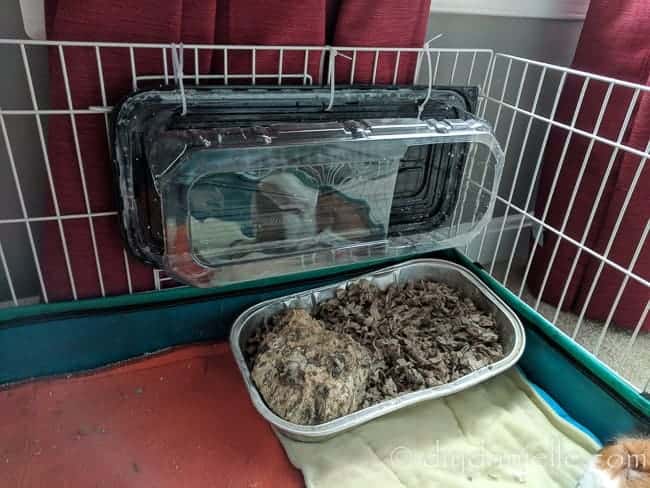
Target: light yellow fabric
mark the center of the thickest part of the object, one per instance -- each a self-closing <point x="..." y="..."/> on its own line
<point x="497" y="434"/>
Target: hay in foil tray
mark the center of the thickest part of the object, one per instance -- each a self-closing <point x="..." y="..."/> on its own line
<point x="308" y="374"/>
<point x="416" y="335"/>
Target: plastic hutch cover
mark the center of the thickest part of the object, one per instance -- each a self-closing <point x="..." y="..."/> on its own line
<point x="257" y="183"/>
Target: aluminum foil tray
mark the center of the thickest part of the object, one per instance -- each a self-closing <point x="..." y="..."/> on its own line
<point x="510" y="328"/>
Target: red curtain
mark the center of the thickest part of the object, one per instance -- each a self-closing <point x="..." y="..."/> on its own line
<point x="387" y="24"/>
<point x="308" y="22"/>
<point x="614" y="42"/>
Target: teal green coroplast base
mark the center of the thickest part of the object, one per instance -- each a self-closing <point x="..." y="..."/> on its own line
<point x="77" y="336"/>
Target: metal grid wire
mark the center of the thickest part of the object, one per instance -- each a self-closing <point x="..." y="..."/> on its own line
<point x="521" y="102"/>
<point x="519" y="97"/>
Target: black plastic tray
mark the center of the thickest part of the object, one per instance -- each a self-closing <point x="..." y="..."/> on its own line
<point x="428" y="181"/>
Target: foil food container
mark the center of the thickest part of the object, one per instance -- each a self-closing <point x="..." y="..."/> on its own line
<point x="510" y="329"/>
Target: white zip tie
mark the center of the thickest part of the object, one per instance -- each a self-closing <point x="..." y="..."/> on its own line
<point x="177" y="66"/>
<point x="332" y="78"/>
<point x="426" y="46"/>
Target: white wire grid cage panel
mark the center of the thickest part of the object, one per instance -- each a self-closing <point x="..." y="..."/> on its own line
<point x="25" y="111"/>
<point x="519" y="97"/>
<point x="522" y="102"/>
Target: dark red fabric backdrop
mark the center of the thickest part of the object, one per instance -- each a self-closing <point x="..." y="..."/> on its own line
<point x="354" y="22"/>
<point x="614" y="42"/>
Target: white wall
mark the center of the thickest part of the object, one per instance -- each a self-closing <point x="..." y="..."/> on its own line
<point x="543" y="39"/>
<point x="26" y="148"/>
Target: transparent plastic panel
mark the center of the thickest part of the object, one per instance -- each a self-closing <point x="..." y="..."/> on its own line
<point x="298" y="202"/>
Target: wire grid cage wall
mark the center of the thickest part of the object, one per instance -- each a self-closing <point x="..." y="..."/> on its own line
<point x="519" y="97"/>
<point x="523" y="100"/>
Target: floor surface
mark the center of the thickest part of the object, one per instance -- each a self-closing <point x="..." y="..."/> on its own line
<point x="633" y="363"/>
<point x="180" y="419"/>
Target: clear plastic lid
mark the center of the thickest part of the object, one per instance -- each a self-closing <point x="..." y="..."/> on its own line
<point x="248" y="203"/>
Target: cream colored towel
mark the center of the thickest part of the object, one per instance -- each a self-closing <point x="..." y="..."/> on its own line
<point x="497" y="434"/>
